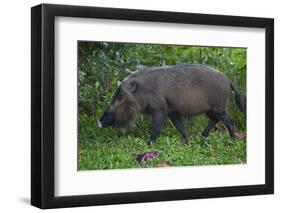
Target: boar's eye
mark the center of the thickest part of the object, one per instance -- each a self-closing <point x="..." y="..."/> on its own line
<point x="119" y="97"/>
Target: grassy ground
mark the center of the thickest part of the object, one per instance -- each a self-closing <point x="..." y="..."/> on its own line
<point x="114" y="149"/>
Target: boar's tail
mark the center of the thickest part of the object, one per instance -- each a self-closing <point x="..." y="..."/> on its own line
<point x="240" y="101"/>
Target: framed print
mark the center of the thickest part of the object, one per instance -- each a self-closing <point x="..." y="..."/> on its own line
<point x="139" y="106"/>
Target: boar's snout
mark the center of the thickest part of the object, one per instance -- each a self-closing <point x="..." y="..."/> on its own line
<point x="106" y="120"/>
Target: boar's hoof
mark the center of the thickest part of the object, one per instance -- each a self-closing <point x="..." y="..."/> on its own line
<point x="99" y="124"/>
<point x="151" y="142"/>
<point x="184" y="141"/>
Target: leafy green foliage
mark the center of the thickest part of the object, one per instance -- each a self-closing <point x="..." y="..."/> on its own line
<point x="102" y="65"/>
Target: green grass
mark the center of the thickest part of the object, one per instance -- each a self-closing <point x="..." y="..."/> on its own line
<point x="114" y="149"/>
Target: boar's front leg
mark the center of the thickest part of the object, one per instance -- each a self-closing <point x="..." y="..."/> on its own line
<point x="158" y="118"/>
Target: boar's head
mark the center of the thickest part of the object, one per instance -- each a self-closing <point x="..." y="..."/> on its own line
<point x="123" y="108"/>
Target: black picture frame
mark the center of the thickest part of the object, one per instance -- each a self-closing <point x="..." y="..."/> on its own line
<point x="43" y="102"/>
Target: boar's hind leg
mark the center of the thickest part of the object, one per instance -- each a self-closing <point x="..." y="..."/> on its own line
<point x="227" y="122"/>
<point x="158" y="119"/>
<point x="177" y="122"/>
<point x="212" y="122"/>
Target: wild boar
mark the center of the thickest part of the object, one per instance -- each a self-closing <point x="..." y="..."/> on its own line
<point x="173" y="92"/>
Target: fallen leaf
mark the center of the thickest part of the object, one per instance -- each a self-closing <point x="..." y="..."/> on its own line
<point x="164" y="164"/>
<point x="142" y="158"/>
<point x="239" y="135"/>
<point x="220" y="127"/>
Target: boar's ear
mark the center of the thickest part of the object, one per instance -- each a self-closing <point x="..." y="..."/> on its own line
<point x="133" y="86"/>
